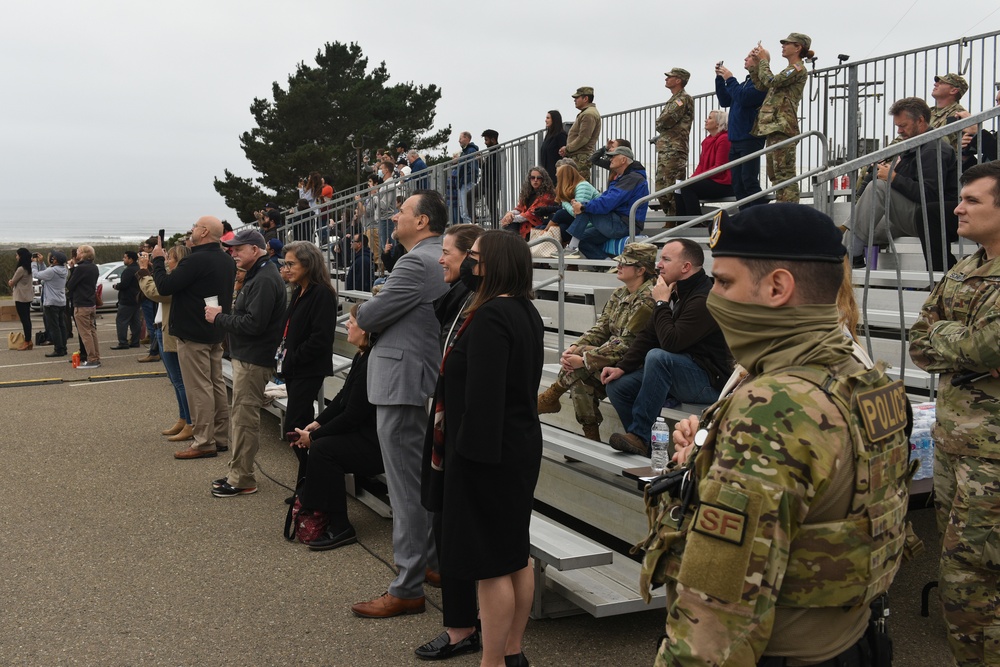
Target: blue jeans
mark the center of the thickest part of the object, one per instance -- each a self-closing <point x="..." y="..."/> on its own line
<point x="385" y="228"/>
<point x="463" y="202"/>
<point x="173" y="367"/>
<point x="148" y="315"/>
<point x="746" y="176"/>
<point x="594" y="230"/>
<point x="639" y="396"/>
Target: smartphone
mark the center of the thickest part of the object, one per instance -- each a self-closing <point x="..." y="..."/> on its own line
<point x="161" y="238"/>
<point x="719" y="64"/>
<point x="292" y="436"/>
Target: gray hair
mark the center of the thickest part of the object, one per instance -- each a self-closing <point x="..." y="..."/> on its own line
<point x="412" y="153"/>
<point x="721" y="118"/>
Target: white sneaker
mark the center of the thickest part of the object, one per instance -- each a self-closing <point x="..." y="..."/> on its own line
<point x="573" y="254"/>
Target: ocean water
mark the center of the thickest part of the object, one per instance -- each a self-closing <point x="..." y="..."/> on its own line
<point x="64" y="223"/>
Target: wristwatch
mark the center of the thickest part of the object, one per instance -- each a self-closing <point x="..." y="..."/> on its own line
<point x="660" y="303"/>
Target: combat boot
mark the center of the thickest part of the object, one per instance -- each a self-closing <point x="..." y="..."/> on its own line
<point x="592" y="432"/>
<point x="548" y="400"/>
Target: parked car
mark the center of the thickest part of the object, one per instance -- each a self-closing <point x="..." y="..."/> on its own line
<point x="108" y="276"/>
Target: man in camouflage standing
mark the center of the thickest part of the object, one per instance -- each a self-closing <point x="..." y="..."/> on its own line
<point x="674" y="126"/>
<point x="797" y="523"/>
<point x="956" y="335"/>
<point x="582" y="137"/>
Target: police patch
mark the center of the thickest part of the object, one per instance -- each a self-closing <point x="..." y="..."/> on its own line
<point x="716" y="232"/>
<point x="883" y="410"/>
<point x="721" y="523"/>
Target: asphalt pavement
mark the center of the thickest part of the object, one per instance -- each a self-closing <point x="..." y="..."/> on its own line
<point x="115" y="553"/>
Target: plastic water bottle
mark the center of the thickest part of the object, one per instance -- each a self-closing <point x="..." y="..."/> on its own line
<point x="659" y="443"/>
<point x="921" y="440"/>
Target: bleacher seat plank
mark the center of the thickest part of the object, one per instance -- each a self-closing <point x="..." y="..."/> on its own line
<point x="562" y="548"/>
<point x="605" y="590"/>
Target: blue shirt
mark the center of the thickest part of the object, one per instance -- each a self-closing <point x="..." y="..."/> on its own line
<point x="744" y="101"/>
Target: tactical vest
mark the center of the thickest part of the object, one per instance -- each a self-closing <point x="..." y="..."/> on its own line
<point x="861" y="552"/>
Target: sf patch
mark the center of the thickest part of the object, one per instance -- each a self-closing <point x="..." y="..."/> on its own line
<point x="722" y="523"/>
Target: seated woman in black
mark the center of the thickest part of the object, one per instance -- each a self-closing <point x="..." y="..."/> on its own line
<point x="341" y="440"/>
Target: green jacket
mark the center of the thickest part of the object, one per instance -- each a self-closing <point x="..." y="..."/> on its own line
<point x="779" y="111"/>
<point x="957" y="331"/>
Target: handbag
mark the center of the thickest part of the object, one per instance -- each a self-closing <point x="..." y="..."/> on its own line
<point x="15" y="339"/>
<point x="304" y="526"/>
<point x="98" y="301"/>
<point x="544" y="249"/>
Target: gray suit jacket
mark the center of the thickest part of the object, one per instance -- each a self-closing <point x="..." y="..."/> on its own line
<point x="403" y="366"/>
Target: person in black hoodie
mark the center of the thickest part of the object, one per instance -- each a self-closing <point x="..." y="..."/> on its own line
<point x="82" y="288"/>
<point x="254" y="329"/>
<point x="204" y="278"/>
<point x="128" y="303"/>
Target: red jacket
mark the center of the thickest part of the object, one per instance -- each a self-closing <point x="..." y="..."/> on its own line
<point x="544" y="199"/>
<point x="714" y="153"/>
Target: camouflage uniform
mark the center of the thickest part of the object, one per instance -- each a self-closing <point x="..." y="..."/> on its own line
<point x="778" y="120"/>
<point x="624" y="316"/>
<point x="582" y="138"/>
<point x="674" y="126"/>
<point x="958" y="330"/>
<point x="939" y="118"/>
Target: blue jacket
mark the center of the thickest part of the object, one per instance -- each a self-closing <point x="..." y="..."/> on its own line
<point x="468" y="168"/>
<point x="360" y="274"/>
<point x="744" y="100"/>
<point x="621" y="194"/>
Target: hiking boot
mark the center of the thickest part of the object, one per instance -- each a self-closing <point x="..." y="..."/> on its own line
<point x="186" y="433"/>
<point x="592" y="432"/>
<point x="548" y="400"/>
<point x="629" y="443"/>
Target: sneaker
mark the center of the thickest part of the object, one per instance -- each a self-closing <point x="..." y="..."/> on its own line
<point x="574" y="254"/>
<point x="222" y="481"/>
<point x="89" y="364"/>
<point x="225" y="490"/>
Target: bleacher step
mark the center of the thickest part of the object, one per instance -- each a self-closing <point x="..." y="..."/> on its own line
<point x="605" y="590"/>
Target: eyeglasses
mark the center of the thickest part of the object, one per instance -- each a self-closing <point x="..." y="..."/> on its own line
<point x="535" y="178"/>
<point x="474" y="254"/>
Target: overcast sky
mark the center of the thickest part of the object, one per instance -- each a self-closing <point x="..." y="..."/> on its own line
<point x="127" y="110"/>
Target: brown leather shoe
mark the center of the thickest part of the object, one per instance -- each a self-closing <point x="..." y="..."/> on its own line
<point x="388" y="606"/>
<point x="25" y="346"/>
<point x="432" y="578"/>
<point x="148" y="358"/>
<point x="186" y="433"/>
<point x="175" y="429"/>
<point x="192" y="453"/>
<point x="629" y="443"/>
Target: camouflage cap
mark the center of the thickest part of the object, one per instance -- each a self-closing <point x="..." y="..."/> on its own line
<point x="638" y="253"/>
<point x="778" y="231"/>
<point x="956" y="80"/>
<point x="798" y="38"/>
<point x="681" y="74"/>
<point x="583" y="90"/>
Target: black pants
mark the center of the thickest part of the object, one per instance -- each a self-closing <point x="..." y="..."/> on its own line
<point x="458" y="596"/>
<point x="689" y="202"/>
<point x="128" y="317"/>
<point x="55" y="326"/>
<point x="300" y="411"/>
<point x="327" y="461"/>
<point x="24" y="312"/>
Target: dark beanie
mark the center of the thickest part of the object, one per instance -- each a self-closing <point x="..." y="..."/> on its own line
<point x="778" y="231"/>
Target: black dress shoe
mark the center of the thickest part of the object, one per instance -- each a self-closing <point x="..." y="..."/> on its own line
<point x="56" y="354"/>
<point x="516" y="660"/>
<point x="329" y="540"/>
<point x="119" y="347"/>
<point x="439" y="648"/>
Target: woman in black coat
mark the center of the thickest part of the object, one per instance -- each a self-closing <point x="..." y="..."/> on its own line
<point x="555" y="138"/>
<point x="342" y="439"/>
<point x="490" y="443"/>
<point x="305" y="356"/>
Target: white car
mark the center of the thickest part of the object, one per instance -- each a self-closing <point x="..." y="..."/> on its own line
<point x="108" y="276"/>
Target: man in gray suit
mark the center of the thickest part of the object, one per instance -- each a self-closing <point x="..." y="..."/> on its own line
<point x="402" y="372"/>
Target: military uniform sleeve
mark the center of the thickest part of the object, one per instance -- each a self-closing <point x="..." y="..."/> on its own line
<point x="673" y="112"/>
<point x="766" y="473"/>
<point x="788" y="77"/>
<point x="585" y="124"/>
<point x="939" y="344"/>
<point x="601" y="330"/>
<point x="630" y="323"/>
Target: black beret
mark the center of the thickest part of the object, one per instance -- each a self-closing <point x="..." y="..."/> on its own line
<point x="778" y="231"/>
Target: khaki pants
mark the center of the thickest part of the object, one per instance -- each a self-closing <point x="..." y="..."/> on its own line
<point x="86" y="326"/>
<point x="249" y="381"/>
<point x="201" y="368"/>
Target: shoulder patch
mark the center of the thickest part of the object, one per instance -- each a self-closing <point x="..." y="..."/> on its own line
<point x="679" y="103"/>
<point x="883" y="410"/>
<point x="721" y="523"/>
<point x="799" y="67"/>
